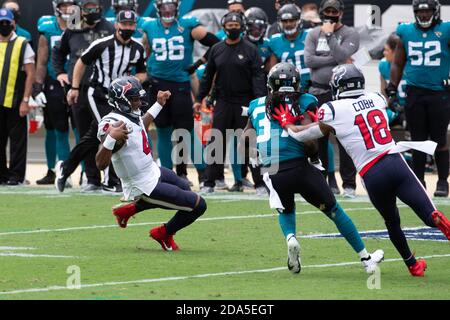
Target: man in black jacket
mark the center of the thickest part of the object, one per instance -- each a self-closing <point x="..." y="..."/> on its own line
<point x="73" y="43"/>
<point x="235" y="64"/>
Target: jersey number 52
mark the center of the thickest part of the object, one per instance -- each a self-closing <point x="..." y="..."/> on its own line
<point x="374" y="130"/>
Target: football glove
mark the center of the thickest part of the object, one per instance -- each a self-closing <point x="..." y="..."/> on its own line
<point x="285" y="117"/>
<point x="313" y="116"/>
<point x="38" y="95"/>
<point x="447" y="84"/>
<point x="391" y="91"/>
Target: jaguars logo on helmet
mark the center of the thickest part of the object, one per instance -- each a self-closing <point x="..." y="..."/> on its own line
<point x="121" y="93"/>
<point x="283" y="84"/>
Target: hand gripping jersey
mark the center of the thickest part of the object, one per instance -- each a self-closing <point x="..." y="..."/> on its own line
<point x="133" y="163"/>
<point x="172" y="48"/>
<point x="292" y="52"/>
<point x="427" y="55"/>
<point x="361" y="126"/>
<point x="50" y="29"/>
<point x="273" y="143"/>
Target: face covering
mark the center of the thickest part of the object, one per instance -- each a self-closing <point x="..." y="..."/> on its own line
<point x="126" y="34"/>
<point x="92" y="18"/>
<point x="330" y="19"/>
<point x="5" y="30"/>
<point x="233" y="34"/>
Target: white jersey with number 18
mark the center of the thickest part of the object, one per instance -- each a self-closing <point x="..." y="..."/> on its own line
<point x="361" y="126"/>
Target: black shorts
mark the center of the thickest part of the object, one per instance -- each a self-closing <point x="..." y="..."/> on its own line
<point x="299" y="176"/>
<point x="178" y="110"/>
<point x="56" y="112"/>
<point x="428" y="114"/>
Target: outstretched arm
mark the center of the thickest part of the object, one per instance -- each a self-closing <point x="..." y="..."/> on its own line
<point x="309" y="132"/>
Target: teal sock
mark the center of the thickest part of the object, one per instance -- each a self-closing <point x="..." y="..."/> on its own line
<point x="197" y="151"/>
<point x="287" y="223"/>
<point x="50" y="148"/>
<point x="235" y="166"/>
<point x="346" y="227"/>
<point x="62" y="145"/>
<point x="330" y="157"/>
<point x="165" y="147"/>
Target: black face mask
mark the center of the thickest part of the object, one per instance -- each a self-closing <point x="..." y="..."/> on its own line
<point x="233" y="34"/>
<point x="330" y="19"/>
<point x="6" y="29"/>
<point x="92" y="18"/>
<point x="126" y="34"/>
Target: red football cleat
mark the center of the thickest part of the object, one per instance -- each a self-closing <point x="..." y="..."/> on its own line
<point x="442" y="223"/>
<point x="123" y="212"/>
<point x="165" y="240"/>
<point x="418" y="270"/>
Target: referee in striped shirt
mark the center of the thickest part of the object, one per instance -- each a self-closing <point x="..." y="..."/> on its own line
<point x="112" y="57"/>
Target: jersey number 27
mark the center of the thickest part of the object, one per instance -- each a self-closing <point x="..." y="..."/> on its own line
<point x="374" y="129"/>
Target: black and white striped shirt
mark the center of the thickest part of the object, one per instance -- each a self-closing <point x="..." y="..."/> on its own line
<point x="113" y="60"/>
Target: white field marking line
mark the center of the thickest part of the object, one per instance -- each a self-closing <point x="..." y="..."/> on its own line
<point x="314" y="235"/>
<point x="29" y="255"/>
<point x="15" y="248"/>
<point x="197" y="276"/>
<point x="271" y="215"/>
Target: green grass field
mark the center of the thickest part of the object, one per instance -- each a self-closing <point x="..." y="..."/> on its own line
<point x="236" y="251"/>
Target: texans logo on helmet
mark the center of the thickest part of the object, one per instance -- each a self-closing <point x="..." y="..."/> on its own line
<point x="126" y="87"/>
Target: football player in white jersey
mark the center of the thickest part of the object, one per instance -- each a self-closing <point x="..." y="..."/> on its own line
<point x="359" y="122"/>
<point x="123" y="134"/>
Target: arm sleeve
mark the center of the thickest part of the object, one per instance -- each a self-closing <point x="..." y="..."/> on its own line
<point x="312" y="60"/>
<point x="327" y="113"/>
<point x="208" y="77"/>
<point x="60" y="53"/>
<point x="344" y="50"/>
<point x="258" y="79"/>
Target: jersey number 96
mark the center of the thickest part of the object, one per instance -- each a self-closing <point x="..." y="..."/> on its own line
<point x="171" y="49"/>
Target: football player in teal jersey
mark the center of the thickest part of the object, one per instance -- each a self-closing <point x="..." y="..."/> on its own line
<point x="289" y="45"/>
<point x="384" y="67"/>
<point x="423" y="56"/>
<point x="119" y="5"/>
<point x="256" y="23"/>
<point x="169" y="41"/>
<point x="288" y="169"/>
<point x="47" y="91"/>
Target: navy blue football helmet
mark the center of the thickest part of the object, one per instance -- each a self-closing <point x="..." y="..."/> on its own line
<point x="122" y="91"/>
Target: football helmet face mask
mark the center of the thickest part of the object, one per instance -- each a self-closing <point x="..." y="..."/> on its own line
<point x="167" y="10"/>
<point x="126" y="95"/>
<point x="57" y="11"/>
<point x="257" y="22"/>
<point x="283" y="84"/>
<point x="287" y="13"/>
<point x="427" y="13"/>
<point x="347" y="81"/>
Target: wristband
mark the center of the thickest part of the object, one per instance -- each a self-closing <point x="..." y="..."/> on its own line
<point x="75" y="89"/>
<point x="155" y="109"/>
<point x="109" y="143"/>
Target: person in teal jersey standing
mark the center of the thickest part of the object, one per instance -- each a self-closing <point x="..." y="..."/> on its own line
<point x="47" y="91"/>
<point x="169" y="41"/>
<point x="423" y="56"/>
<point x="256" y="24"/>
<point x="119" y="5"/>
<point x="289" y="45"/>
<point x="15" y="8"/>
<point x="396" y="113"/>
<point x="288" y="171"/>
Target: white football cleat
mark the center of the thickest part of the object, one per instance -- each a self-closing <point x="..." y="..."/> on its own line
<point x="372" y="262"/>
<point x="293" y="254"/>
